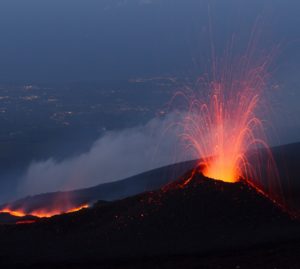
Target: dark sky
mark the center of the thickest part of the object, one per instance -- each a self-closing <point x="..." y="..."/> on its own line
<point x="67" y="40"/>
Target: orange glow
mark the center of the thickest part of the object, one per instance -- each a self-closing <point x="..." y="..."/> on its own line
<point x="16" y="213"/>
<point x="25" y="222"/>
<point x="42" y="213"/>
<point x="77" y="209"/>
<point x="222" y="131"/>
<point x="223" y="127"/>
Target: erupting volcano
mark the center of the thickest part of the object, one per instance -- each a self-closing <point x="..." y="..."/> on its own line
<point x="225" y="130"/>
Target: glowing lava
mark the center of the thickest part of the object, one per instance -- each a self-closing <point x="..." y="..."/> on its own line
<point x="42" y="213"/>
<point x="224" y="129"/>
<point x="16" y="213"/>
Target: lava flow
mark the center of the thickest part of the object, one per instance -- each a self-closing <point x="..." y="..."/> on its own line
<point x="225" y="130"/>
<point x="42" y="213"/>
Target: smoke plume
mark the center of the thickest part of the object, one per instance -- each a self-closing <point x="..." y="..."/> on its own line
<point x="114" y="156"/>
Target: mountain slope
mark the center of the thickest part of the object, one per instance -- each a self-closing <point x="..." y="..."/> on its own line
<point x="203" y="217"/>
<point x="286" y="158"/>
<point x="147" y="181"/>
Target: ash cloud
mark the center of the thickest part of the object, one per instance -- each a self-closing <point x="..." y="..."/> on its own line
<point x="114" y="156"/>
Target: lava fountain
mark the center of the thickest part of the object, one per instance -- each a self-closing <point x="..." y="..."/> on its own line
<point x="224" y="128"/>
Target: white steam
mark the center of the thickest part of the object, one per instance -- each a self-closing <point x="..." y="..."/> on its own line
<point x="114" y="156"/>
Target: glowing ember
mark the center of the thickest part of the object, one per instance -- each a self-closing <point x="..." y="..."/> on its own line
<point x="41" y="213"/>
<point x="25" y="222"/>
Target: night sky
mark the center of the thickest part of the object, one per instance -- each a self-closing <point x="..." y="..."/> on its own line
<point x="68" y="40"/>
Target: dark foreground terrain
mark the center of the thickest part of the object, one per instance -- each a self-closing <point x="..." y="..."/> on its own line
<point x="204" y="224"/>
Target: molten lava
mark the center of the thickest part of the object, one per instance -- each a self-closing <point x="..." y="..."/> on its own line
<point x="16" y="213"/>
<point x="223" y="128"/>
<point x="25" y="222"/>
<point x="42" y="213"/>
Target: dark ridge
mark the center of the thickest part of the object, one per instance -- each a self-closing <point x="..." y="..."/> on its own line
<point x="151" y="180"/>
<point x="286" y="158"/>
<point x="203" y="217"/>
